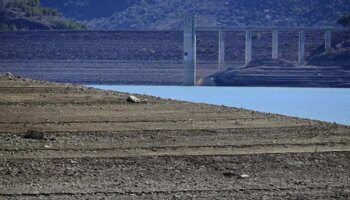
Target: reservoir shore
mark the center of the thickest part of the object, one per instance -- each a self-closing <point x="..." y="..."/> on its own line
<point x="64" y="141"/>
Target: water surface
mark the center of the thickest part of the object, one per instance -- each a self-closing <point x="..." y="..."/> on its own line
<point x="325" y="104"/>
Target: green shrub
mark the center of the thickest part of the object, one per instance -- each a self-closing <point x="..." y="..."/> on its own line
<point x="12" y="27"/>
<point x="3" y="27"/>
<point x="31" y="10"/>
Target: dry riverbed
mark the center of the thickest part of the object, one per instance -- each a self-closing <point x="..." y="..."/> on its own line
<point x="61" y="141"/>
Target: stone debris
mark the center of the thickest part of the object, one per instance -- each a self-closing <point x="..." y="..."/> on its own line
<point x="231" y="174"/>
<point x="35" y="135"/>
<point x="9" y="75"/>
<point x="133" y="99"/>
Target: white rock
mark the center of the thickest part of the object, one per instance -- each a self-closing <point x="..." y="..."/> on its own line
<point x="133" y="99"/>
<point x="244" y="176"/>
<point x="9" y="76"/>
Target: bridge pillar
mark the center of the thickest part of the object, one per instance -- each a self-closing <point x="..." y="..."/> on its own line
<point x="328" y="39"/>
<point x="221" y="50"/>
<point x="301" y="48"/>
<point x="189" y="57"/>
<point x="274" y="44"/>
<point x="248" y="46"/>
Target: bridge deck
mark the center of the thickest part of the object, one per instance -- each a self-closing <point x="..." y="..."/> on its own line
<point x="244" y="28"/>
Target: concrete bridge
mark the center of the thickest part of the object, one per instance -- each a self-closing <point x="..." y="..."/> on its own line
<point x="190" y="41"/>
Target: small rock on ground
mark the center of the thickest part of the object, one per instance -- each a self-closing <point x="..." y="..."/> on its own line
<point x="35" y="135"/>
<point x="133" y="99"/>
<point x="9" y="75"/>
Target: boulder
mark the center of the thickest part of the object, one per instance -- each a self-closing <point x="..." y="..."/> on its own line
<point x="133" y="99"/>
<point x="244" y="176"/>
<point x="9" y="75"/>
<point x="206" y="82"/>
<point x="236" y="175"/>
<point x="34" y="135"/>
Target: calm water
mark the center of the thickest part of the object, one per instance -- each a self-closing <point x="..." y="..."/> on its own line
<point x="332" y="105"/>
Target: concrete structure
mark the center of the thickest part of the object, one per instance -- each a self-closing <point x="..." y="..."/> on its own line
<point x="328" y="39"/>
<point x="221" y="50"/>
<point x="189" y="50"/>
<point x="301" y="48"/>
<point x="274" y="44"/>
<point x="248" y="46"/>
<point x="190" y="43"/>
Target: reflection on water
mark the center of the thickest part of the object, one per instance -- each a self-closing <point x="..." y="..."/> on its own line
<point x="326" y="104"/>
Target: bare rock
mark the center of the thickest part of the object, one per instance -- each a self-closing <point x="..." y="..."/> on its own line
<point x="235" y="175"/>
<point x="231" y="174"/>
<point x="34" y="135"/>
<point x="244" y="176"/>
<point x="206" y="82"/>
<point x="9" y="75"/>
<point x="133" y="99"/>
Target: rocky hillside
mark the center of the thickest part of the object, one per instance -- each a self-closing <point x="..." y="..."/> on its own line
<point x="279" y="73"/>
<point x="85" y="10"/>
<point x="161" y="14"/>
<point x="338" y="55"/>
<point x="30" y="15"/>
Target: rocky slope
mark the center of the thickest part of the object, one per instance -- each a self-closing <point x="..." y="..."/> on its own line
<point x="280" y="74"/>
<point x="338" y="55"/>
<point x="30" y="15"/>
<point x="162" y="14"/>
<point x="86" y="10"/>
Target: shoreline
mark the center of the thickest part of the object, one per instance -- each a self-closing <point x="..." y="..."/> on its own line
<point x="250" y="98"/>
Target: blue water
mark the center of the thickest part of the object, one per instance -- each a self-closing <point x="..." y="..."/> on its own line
<point x="325" y="104"/>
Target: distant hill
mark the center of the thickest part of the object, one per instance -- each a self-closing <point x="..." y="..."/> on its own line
<point x="167" y="14"/>
<point x="88" y="9"/>
<point x="30" y="15"/>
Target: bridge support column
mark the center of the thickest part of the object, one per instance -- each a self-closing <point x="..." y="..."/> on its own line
<point x="189" y="58"/>
<point x="328" y="39"/>
<point x="248" y="46"/>
<point x="301" y="48"/>
<point x="274" y="44"/>
<point x="221" y="50"/>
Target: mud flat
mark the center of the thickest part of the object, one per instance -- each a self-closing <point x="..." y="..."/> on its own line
<point x="61" y="141"/>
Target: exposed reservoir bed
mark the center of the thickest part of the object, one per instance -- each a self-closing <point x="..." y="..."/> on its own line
<point x="93" y="144"/>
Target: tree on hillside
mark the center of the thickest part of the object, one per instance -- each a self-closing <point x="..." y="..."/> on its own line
<point x="30" y="15"/>
<point x="344" y="21"/>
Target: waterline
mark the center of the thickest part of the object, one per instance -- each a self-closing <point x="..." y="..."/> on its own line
<point x="325" y="104"/>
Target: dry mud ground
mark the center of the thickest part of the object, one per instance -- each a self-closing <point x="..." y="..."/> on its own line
<point x="96" y="145"/>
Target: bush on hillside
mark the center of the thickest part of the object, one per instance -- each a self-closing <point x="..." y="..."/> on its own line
<point x="30" y="15"/>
